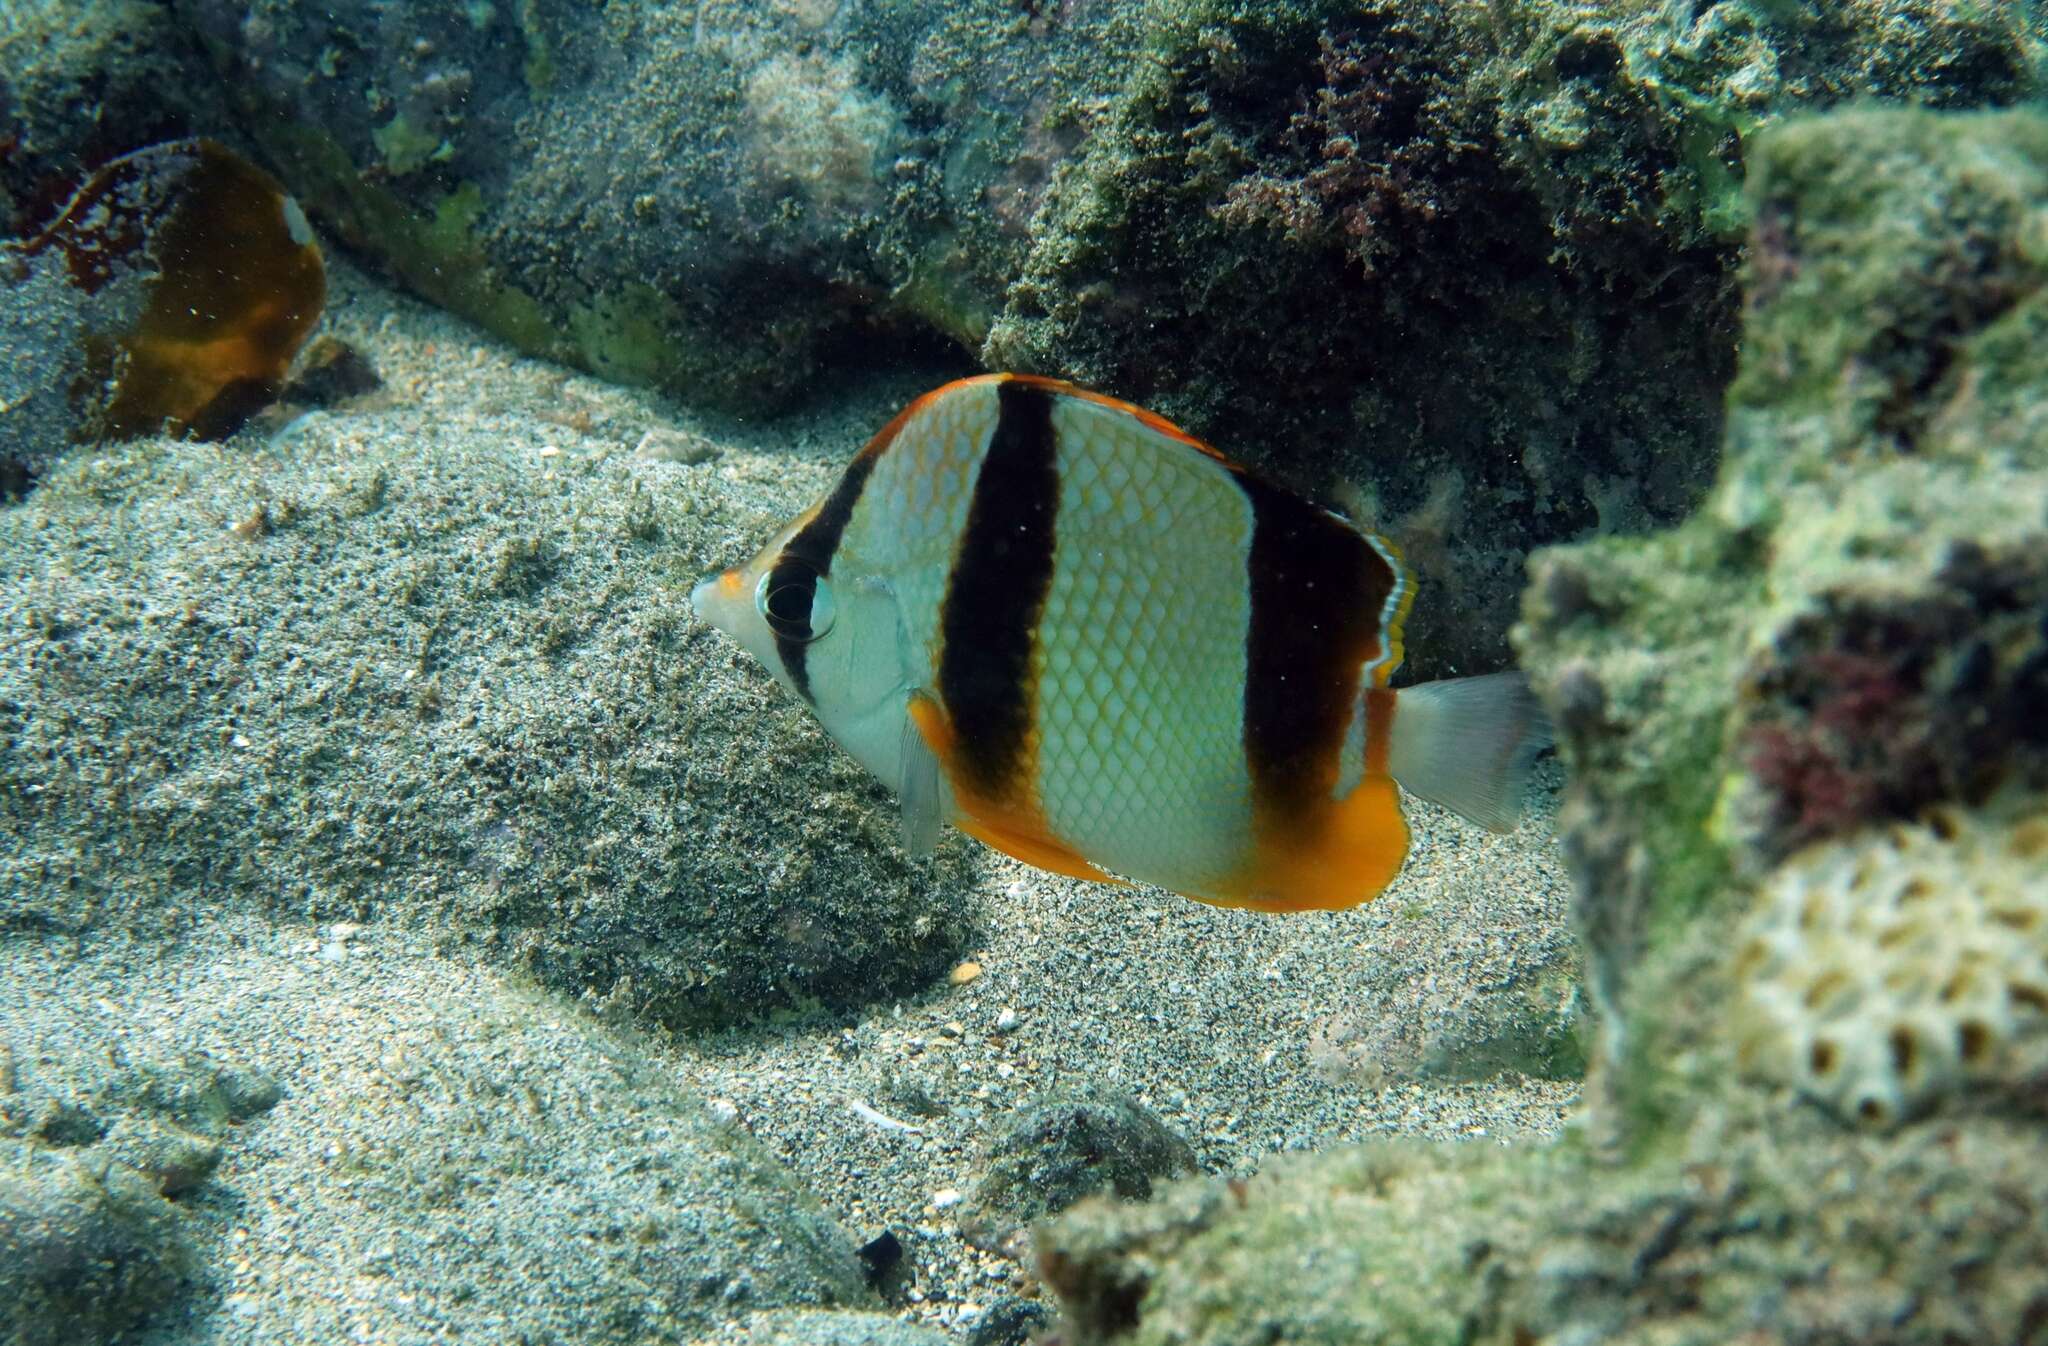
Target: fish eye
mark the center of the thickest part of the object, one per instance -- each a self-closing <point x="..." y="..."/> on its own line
<point x="796" y="601"/>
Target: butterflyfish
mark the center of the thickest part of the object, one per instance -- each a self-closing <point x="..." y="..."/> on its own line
<point x="1075" y="632"/>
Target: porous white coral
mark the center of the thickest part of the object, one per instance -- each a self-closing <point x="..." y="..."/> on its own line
<point x="1889" y="972"/>
<point x="811" y="127"/>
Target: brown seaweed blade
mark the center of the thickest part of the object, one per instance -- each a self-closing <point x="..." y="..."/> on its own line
<point x="204" y="279"/>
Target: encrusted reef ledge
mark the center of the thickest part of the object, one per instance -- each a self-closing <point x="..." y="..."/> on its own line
<point x="1809" y="821"/>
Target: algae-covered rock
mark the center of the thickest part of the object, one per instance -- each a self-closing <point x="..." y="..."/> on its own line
<point x="1755" y="708"/>
<point x="1060" y="1149"/>
<point x="1849" y="631"/>
<point x="82" y="81"/>
<point x="713" y="200"/>
<point x="1778" y="1228"/>
<point x="1011" y="1321"/>
<point x="382" y="665"/>
<point x="88" y="1249"/>
<point x="1462" y="263"/>
<point x="1465" y="267"/>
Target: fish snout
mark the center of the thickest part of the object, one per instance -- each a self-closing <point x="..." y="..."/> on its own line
<point x="718" y="599"/>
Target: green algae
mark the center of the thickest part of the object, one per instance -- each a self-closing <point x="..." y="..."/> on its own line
<point x="436" y="254"/>
<point x="406" y="147"/>
<point x="637" y="335"/>
<point x="539" y="67"/>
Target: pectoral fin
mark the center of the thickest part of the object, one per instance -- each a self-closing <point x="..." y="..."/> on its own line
<point x="918" y="792"/>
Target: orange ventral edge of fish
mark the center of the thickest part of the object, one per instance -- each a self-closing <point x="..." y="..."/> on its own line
<point x="1073" y="631"/>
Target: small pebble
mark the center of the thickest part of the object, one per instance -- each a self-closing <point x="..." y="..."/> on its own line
<point x="253" y="525"/>
<point x="945" y="1198"/>
<point x="723" y="1111"/>
<point x="953" y="1028"/>
<point x="1006" y="1020"/>
<point x="675" y="446"/>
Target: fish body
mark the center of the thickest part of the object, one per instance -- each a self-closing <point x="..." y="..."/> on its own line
<point x="1075" y="632"/>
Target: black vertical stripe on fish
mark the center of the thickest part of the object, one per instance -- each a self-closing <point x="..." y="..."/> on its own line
<point x="1318" y="590"/>
<point x="1002" y="572"/>
<point x="793" y="581"/>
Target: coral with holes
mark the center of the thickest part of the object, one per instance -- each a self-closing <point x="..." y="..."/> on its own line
<point x="1904" y="967"/>
<point x="812" y="131"/>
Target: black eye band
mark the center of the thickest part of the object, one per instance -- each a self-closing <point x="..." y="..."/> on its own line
<point x="819" y="539"/>
<point x="785" y="599"/>
<point x="785" y="596"/>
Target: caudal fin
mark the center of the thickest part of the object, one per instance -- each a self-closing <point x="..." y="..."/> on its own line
<point x="1467" y="743"/>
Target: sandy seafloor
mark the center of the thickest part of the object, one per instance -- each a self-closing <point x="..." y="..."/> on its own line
<point x="1250" y="1034"/>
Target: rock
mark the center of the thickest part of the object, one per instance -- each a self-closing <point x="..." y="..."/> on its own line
<point x="1791" y="884"/>
<point x="1533" y="1025"/>
<point x="1009" y="1321"/>
<point x="446" y="1135"/>
<point x="161" y="1118"/>
<point x="880" y="1257"/>
<point x="174" y="1159"/>
<point x="194" y="1089"/>
<point x="496" y="717"/>
<point x="88" y="1249"/>
<point x="812" y="1327"/>
<point x="331" y="371"/>
<point x="675" y="446"/>
<point x="1062" y="1148"/>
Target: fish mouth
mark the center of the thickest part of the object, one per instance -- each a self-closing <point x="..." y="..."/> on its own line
<point x="703" y="595"/>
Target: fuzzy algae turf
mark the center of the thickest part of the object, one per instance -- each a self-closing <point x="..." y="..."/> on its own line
<point x="1888" y="441"/>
